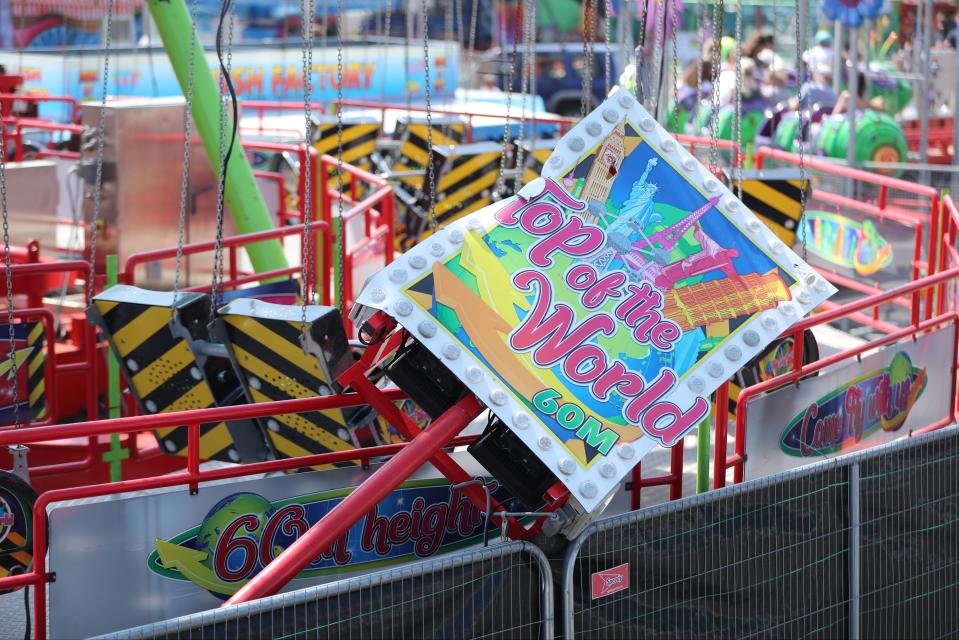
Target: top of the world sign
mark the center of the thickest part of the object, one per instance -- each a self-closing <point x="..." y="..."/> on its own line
<point x="596" y="311"/>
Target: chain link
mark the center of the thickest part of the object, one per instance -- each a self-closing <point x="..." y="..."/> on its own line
<point x="430" y="169"/>
<point x="101" y="135"/>
<point x="800" y="143"/>
<point x="714" y="98"/>
<point x="529" y="15"/>
<point x="674" y="15"/>
<point x="185" y="177"/>
<point x="511" y="76"/>
<point x="217" y="279"/>
<point x="608" y="5"/>
<point x="8" y="271"/>
<point x="339" y="155"/>
<point x="738" y="115"/>
<point x="584" y="100"/>
<point x="308" y="293"/>
<point x="659" y="53"/>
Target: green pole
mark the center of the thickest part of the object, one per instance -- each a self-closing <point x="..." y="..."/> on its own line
<point x="116" y="454"/>
<point x="702" y="456"/>
<point x="246" y="204"/>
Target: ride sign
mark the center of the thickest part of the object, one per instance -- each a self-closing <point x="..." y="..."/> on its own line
<point x="595" y="311"/>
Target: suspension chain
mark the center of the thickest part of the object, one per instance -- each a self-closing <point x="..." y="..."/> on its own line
<point x="511" y="76"/>
<point x="800" y="143"/>
<point x="659" y="53"/>
<point x="585" y="99"/>
<point x="217" y="279"/>
<point x="101" y="135"/>
<point x="608" y="5"/>
<point x="430" y="169"/>
<point x="674" y="15"/>
<point x="339" y="157"/>
<point x="185" y="177"/>
<point x="308" y="293"/>
<point x="738" y="114"/>
<point x="714" y="101"/>
<point x="527" y="30"/>
<point x="8" y="271"/>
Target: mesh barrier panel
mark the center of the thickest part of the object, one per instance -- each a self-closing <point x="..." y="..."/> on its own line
<point x="910" y="542"/>
<point x="769" y="558"/>
<point x="865" y="544"/>
<point x="503" y="591"/>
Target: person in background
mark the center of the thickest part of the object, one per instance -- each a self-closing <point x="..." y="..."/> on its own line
<point x="821" y="55"/>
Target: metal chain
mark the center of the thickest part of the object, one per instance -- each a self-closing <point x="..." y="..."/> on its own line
<point x="701" y="30"/>
<point x="101" y="135"/>
<point x="799" y="144"/>
<point x="674" y="113"/>
<point x="659" y="52"/>
<point x="738" y="115"/>
<point x="339" y="156"/>
<point x="448" y="20"/>
<point x="217" y="279"/>
<point x="472" y="40"/>
<point x="185" y="177"/>
<point x="308" y="293"/>
<point x="637" y="51"/>
<point x="501" y="178"/>
<point x="584" y="100"/>
<point x="8" y="271"/>
<point x="714" y="101"/>
<point x="527" y="30"/>
<point x="430" y="169"/>
<point x="609" y="58"/>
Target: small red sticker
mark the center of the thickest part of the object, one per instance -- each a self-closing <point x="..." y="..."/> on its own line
<point x="610" y="581"/>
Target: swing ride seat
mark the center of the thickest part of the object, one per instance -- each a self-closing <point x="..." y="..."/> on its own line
<point x="775" y="196"/>
<point x="163" y="348"/>
<point x="414" y="137"/>
<point x="275" y="359"/>
<point x="465" y="179"/>
<point x="359" y="137"/>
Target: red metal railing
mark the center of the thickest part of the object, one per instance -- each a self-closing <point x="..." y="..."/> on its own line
<point x="697" y="143"/>
<point x="22" y="125"/>
<point x="564" y="124"/>
<point x="377" y="211"/>
<point x="262" y="107"/>
<point x="929" y="205"/>
<point x="913" y="290"/>
<point x="10" y="99"/>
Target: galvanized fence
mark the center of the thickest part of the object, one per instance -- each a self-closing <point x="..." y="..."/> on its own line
<point x="865" y="545"/>
<point x="502" y="591"/>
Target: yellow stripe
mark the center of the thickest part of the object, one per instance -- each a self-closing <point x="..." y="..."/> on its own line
<point x="198" y="397"/>
<point x="214" y="441"/>
<point x="452" y="200"/>
<point x="290" y="387"/>
<point x="782" y="232"/>
<point x="278" y="345"/>
<point x="329" y="140"/>
<point x="104" y="306"/>
<point x="776" y="199"/>
<point x="301" y="425"/>
<point x="35" y="333"/>
<point x="464" y="170"/>
<point x="4" y="572"/>
<point x="36" y="361"/>
<point x="163" y="368"/>
<point x="138" y="330"/>
<point x="37" y="391"/>
<point x="22" y="557"/>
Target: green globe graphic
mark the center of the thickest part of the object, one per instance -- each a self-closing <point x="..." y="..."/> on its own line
<point x="219" y="518"/>
<point x="900" y="369"/>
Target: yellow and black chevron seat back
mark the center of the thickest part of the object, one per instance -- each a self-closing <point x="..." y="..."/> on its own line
<point x="266" y="345"/>
<point x="414" y="137"/>
<point x="535" y="156"/>
<point x="358" y="139"/>
<point x="775" y="197"/>
<point x="28" y="390"/>
<point x="159" y="365"/>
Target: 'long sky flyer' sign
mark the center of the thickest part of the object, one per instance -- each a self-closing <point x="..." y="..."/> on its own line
<point x="596" y="311"/>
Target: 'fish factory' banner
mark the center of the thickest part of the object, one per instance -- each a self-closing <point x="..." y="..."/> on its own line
<point x="596" y="311"/>
<point x="884" y="396"/>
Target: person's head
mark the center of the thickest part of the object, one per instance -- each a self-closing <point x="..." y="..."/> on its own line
<point x="757" y="43"/>
<point x="727" y="49"/>
<point x="823" y="38"/>
<point x="822" y="74"/>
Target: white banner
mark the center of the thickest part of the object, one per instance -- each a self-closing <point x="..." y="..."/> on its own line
<point x="904" y="386"/>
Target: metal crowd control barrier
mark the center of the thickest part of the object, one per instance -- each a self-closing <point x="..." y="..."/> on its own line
<point x="862" y="546"/>
<point x="500" y="591"/>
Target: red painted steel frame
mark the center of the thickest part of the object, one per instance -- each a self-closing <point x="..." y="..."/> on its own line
<point x="885" y="183"/>
<point x="934" y="283"/>
<point x="346" y="513"/>
<point x="262" y="106"/>
<point x="673" y="479"/>
<point x="68" y="100"/>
